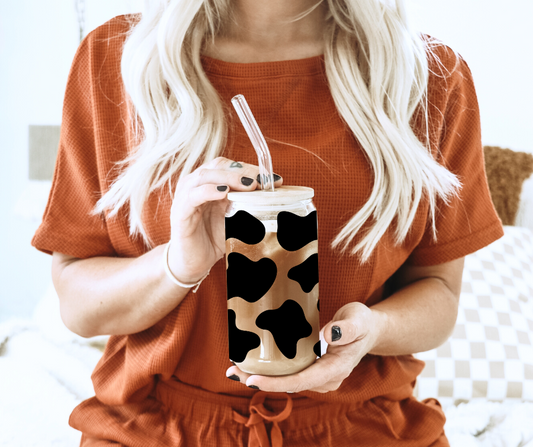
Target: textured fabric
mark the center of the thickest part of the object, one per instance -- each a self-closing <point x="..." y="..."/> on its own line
<point x="490" y="354"/>
<point x="181" y="415"/>
<point x="292" y="104"/>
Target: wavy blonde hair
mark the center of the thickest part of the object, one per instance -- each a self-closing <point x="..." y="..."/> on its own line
<point x="377" y="70"/>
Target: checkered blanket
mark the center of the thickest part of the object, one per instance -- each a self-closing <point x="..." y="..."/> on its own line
<point x="490" y="354"/>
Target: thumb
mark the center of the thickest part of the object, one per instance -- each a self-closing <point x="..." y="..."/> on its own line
<point x="346" y="327"/>
<point x="341" y="332"/>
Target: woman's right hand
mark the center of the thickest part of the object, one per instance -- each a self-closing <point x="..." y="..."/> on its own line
<point x="197" y="215"/>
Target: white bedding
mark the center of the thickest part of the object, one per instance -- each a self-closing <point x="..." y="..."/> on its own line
<point x="40" y="383"/>
<point x="490" y="424"/>
<point x="44" y="375"/>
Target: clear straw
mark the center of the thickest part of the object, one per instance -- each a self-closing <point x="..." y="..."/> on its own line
<point x="257" y="139"/>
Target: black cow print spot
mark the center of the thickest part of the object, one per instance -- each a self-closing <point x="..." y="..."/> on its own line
<point x="248" y="279"/>
<point x="287" y="325"/>
<point x="245" y="227"/>
<point x="240" y="342"/>
<point x="316" y="349"/>
<point x="295" y="232"/>
<point x="306" y="273"/>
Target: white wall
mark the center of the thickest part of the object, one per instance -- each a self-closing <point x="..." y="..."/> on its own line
<point x="38" y="40"/>
<point x="495" y="37"/>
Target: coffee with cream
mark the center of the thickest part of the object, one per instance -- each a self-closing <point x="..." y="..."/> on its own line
<point x="272" y="280"/>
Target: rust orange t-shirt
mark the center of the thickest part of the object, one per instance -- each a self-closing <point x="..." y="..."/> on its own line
<point x="294" y="108"/>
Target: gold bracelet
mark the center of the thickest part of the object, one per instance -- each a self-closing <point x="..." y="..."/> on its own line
<point x="173" y="278"/>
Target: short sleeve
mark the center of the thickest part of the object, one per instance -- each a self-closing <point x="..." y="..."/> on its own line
<point x="68" y="225"/>
<point x="469" y="222"/>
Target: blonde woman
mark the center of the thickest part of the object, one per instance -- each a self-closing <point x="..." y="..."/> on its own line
<point x="382" y="122"/>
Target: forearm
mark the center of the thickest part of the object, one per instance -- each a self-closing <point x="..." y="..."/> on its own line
<point x="419" y="317"/>
<point x="112" y="296"/>
<point x="101" y="296"/>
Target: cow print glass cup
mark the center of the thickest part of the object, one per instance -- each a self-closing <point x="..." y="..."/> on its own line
<point x="272" y="280"/>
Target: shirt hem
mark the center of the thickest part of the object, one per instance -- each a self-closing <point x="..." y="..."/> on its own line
<point x="69" y="246"/>
<point x="449" y="251"/>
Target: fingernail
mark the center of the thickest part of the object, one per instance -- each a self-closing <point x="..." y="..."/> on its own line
<point x="276" y="178"/>
<point x="234" y="377"/>
<point x="254" y="387"/>
<point x="336" y="333"/>
<point x="235" y="164"/>
<point x="222" y="188"/>
<point x="247" y="181"/>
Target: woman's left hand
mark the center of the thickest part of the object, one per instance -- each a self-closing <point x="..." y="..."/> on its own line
<point x="350" y="336"/>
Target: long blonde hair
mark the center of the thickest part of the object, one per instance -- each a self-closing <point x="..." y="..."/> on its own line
<point x="377" y="70"/>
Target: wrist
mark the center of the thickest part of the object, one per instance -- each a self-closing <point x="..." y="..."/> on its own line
<point x="380" y="324"/>
<point x="179" y="275"/>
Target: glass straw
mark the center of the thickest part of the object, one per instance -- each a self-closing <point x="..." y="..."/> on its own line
<point x="257" y="139"/>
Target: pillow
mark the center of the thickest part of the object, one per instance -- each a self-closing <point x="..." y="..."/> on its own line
<point x="506" y="172"/>
<point x="524" y="216"/>
<point x="490" y="354"/>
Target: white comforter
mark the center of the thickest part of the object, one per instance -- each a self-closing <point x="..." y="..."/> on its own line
<point x="45" y="372"/>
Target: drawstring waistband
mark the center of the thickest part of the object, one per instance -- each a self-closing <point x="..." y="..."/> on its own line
<point x="264" y="415"/>
<point x="258" y="436"/>
<point x="180" y="414"/>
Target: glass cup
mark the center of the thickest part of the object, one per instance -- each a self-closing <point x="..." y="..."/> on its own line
<point x="272" y="280"/>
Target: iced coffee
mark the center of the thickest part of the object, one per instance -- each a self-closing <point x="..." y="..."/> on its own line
<point x="272" y="280"/>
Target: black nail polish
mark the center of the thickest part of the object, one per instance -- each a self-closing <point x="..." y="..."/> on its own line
<point x="254" y="387"/>
<point x="276" y="178"/>
<point x="234" y="377"/>
<point x="336" y="333"/>
<point x="222" y="188"/>
<point x="247" y="181"/>
<point x="235" y="164"/>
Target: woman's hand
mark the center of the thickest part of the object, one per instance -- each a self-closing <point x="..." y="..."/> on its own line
<point x="418" y="317"/>
<point x="350" y="336"/>
<point x="197" y="215"/>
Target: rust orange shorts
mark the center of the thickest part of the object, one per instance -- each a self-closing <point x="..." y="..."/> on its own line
<point x="181" y="415"/>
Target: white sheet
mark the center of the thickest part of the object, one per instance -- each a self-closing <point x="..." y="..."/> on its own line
<point x="40" y="384"/>
<point x="480" y="423"/>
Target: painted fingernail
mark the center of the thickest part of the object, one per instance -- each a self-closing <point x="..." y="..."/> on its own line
<point x="254" y="387"/>
<point x="276" y="178"/>
<point x="247" y="181"/>
<point x="234" y="377"/>
<point x="235" y="164"/>
<point x="222" y="188"/>
<point x="336" y="333"/>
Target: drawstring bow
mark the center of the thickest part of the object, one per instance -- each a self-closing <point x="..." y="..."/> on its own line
<point x="258" y="436"/>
